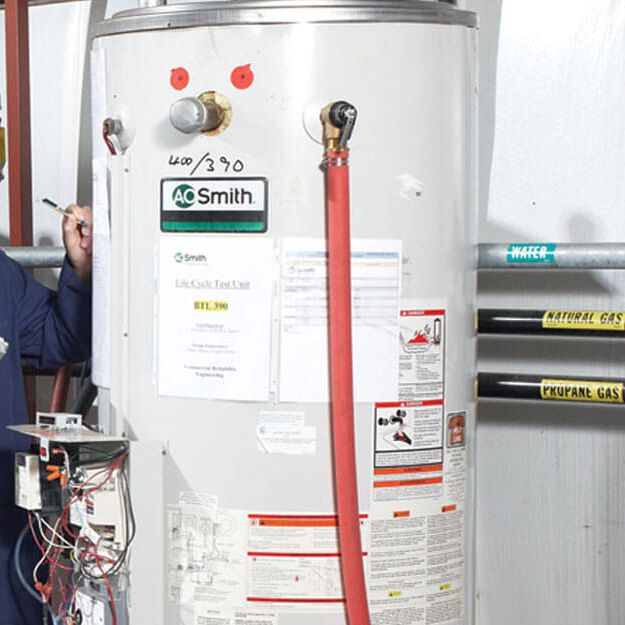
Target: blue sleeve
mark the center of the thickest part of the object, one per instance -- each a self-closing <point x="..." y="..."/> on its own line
<point x="54" y="327"/>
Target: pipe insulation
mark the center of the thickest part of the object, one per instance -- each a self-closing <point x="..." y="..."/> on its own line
<point x="36" y="257"/>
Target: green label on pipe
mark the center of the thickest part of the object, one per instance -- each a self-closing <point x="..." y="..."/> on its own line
<point x="531" y="253"/>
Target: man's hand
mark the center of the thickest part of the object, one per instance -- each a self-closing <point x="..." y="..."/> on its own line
<point x="77" y="240"/>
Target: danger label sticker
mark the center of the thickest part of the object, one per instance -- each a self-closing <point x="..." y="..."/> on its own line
<point x="580" y="390"/>
<point x="584" y="320"/>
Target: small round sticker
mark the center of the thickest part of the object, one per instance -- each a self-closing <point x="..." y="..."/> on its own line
<point x="242" y="76"/>
<point x="179" y="78"/>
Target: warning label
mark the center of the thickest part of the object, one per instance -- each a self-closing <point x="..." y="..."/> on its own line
<point x="422" y="352"/>
<point x="295" y="559"/>
<point x="408" y="450"/>
<point x="580" y="390"/>
<point x="584" y="320"/>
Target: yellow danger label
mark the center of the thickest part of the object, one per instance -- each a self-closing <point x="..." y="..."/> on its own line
<point x="581" y="390"/>
<point x="584" y="320"/>
<point x="210" y="305"/>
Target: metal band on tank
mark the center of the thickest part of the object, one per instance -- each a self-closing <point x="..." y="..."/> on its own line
<point x="240" y="12"/>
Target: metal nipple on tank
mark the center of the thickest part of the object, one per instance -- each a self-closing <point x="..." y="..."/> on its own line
<point x="209" y="113"/>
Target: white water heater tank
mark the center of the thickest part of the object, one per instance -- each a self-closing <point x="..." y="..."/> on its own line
<point x="210" y="337"/>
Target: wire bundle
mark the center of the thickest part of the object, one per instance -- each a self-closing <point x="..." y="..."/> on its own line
<point x="73" y="558"/>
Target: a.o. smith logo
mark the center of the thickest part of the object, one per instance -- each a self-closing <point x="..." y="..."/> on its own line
<point x="185" y="196"/>
<point x="190" y="259"/>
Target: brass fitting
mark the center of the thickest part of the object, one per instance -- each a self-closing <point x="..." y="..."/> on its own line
<point x="337" y="119"/>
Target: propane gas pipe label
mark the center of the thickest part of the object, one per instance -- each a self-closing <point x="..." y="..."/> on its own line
<point x="584" y="320"/>
<point x="531" y="253"/>
<point x="581" y="390"/>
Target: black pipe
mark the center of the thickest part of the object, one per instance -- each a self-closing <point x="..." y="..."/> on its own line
<point x="84" y="398"/>
<point x="595" y="323"/>
<point x="550" y="388"/>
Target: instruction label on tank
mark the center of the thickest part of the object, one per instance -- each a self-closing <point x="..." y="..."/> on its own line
<point x="581" y="390"/>
<point x="214" y="204"/>
<point x="408" y="450"/>
<point x="531" y="253"/>
<point x="421" y="350"/>
<point x="416" y="565"/>
<point x="584" y="320"/>
<point x="295" y="560"/>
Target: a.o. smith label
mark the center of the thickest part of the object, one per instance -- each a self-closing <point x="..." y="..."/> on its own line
<point x="214" y="204"/>
<point x="531" y="253"/>
<point x="584" y="320"/>
<point x="582" y="390"/>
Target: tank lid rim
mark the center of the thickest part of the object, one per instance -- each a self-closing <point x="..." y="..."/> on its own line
<point x="241" y="12"/>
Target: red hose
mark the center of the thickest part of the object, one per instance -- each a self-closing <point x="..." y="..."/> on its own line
<point x="341" y="386"/>
<point x="60" y="390"/>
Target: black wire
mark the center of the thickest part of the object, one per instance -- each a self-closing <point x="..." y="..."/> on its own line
<point x="129" y="521"/>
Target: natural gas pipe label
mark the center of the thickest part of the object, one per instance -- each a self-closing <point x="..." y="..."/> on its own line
<point x="531" y="253"/>
<point x="582" y="390"/>
<point x="584" y="320"/>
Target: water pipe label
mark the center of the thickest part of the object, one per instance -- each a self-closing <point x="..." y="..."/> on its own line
<point x="531" y="253"/>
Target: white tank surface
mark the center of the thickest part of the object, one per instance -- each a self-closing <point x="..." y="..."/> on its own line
<point x="211" y="348"/>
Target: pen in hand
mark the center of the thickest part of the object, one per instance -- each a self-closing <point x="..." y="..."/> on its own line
<point x="54" y="206"/>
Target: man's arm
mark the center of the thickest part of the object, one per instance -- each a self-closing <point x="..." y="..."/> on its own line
<point x="55" y="327"/>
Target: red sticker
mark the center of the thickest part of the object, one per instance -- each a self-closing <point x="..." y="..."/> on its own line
<point x="179" y="78"/>
<point x="242" y="76"/>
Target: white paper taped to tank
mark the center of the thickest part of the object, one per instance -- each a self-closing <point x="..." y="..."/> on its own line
<point x="206" y="556"/>
<point x="214" y="323"/>
<point x="376" y="287"/>
<point x="101" y="359"/>
<point x="282" y="432"/>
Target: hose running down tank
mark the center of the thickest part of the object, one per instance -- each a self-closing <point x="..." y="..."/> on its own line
<point x="338" y="122"/>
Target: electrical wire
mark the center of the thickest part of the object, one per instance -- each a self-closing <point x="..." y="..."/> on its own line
<point x="18" y="569"/>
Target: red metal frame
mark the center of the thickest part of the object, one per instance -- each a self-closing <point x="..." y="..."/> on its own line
<point x="18" y="122"/>
<point x="18" y="133"/>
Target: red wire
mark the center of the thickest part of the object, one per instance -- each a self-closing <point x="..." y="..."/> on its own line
<point x="341" y="386"/>
<point x="109" y="143"/>
<point x="109" y="590"/>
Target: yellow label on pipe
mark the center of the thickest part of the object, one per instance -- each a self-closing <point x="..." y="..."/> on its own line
<point x="582" y="390"/>
<point x="584" y="320"/>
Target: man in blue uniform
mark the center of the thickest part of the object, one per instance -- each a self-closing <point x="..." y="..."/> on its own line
<point x="44" y="328"/>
